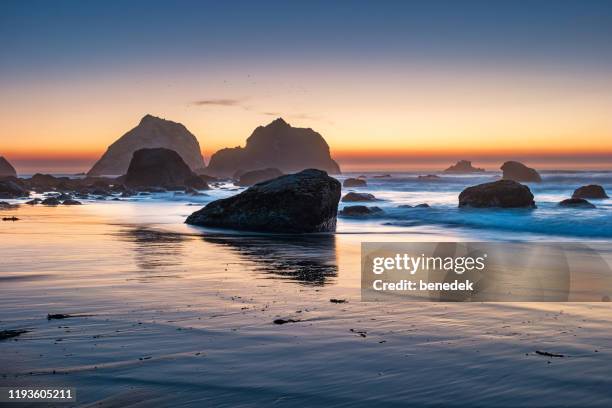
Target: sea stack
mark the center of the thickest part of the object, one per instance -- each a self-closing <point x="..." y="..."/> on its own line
<point x="160" y="167"/>
<point x="6" y="169"/>
<point x="257" y="176"/>
<point x="502" y="193"/>
<point x="463" y="167"/>
<point x="517" y="171"/>
<point x="296" y="203"/>
<point x="593" y="191"/>
<point x="277" y="145"/>
<point x="151" y="132"/>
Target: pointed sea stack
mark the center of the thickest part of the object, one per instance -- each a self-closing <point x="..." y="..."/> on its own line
<point x="151" y="132"/>
<point x="6" y="169"/>
<point x="463" y="167"/>
<point x="277" y="145"/>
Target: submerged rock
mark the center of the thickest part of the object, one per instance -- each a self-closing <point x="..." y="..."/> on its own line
<point x="360" y="211"/>
<point x="502" y="193"/>
<point x="160" y="168"/>
<point x="6" y="169"/>
<point x="517" y="171"/>
<point x="463" y="166"/>
<point x="353" y="197"/>
<point x="257" y="176"/>
<point x="576" y="202"/>
<point x="296" y="203"/>
<point x="151" y="132"/>
<point x="355" y="182"/>
<point x="594" y="191"/>
<point x="277" y="145"/>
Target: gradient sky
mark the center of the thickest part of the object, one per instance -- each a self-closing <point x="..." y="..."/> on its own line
<point x="388" y="84"/>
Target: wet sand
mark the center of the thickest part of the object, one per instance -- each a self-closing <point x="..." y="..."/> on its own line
<point x="177" y="316"/>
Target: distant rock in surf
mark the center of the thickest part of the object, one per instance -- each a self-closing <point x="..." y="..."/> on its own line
<point x="277" y="145"/>
<point x="463" y="166"/>
<point x="423" y="205"/>
<point x="383" y="176"/>
<point x="6" y="169"/>
<point x="354" y="197"/>
<point x="161" y="167"/>
<point x="257" y="176"/>
<point x="151" y="132"/>
<point x="591" y="191"/>
<point x="429" y="177"/>
<point x="52" y="201"/>
<point x="517" y="171"/>
<point x="502" y="193"/>
<point x="296" y="203"/>
<point x="355" y="182"/>
<point x="576" y="202"/>
<point x="360" y="211"/>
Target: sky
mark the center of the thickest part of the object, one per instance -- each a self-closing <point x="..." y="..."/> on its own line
<point x="389" y="85"/>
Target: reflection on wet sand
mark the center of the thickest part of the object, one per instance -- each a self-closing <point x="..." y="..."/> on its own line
<point x="310" y="260"/>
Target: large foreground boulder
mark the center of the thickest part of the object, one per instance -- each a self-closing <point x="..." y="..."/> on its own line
<point x="517" y="171"/>
<point x="160" y="168"/>
<point x="257" y="176"/>
<point x="277" y="145"/>
<point x="295" y="203"/>
<point x="502" y="193"/>
<point x="151" y="132"/>
<point x="591" y="191"/>
<point x="463" y="167"/>
<point x="6" y="169"/>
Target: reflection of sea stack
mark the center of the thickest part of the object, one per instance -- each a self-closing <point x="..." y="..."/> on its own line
<point x="517" y="171"/>
<point x="463" y="166"/>
<point x="151" y="132"/>
<point x="160" y="168"/>
<point x="277" y="145"/>
<point x="6" y="169"/>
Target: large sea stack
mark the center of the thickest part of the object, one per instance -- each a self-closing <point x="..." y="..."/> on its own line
<point x="296" y="203"/>
<point x="160" y="168"/>
<point x="517" y="171"/>
<point x="277" y="145"/>
<point x="502" y="193"/>
<point x="463" y="167"/>
<point x="151" y="132"/>
<point x="6" y="169"/>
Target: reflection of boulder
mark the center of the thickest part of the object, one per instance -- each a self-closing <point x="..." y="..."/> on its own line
<point x="593" y="191"/>
<point x="296" y="203"/>
<point x="160" y="168"/>
<point x="516" y="171"/>
<point x="502" y="193"/>
<point x="576" y="202"/>
<point x="151" y="132"/>
<point x="463" y="166"/>
<point x="277" y="145"/>
<point x="155" y="250"/>
<point x="6" y="169"/>
<point x="307" y="259"/>
<point x="257" y="176"/>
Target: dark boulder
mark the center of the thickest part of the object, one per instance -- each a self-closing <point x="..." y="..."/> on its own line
<point x="158" y="167"/>
<point x="51" y="201"/>
<point x="6" y="169"/>
<point x="296" y="203"/>
<point x="502" y="193"/>
<point x="360" y="211"/>
<point x="576" y="202"/>
<point x="354" y="197"/>
<point x="71" y="202"/>
<point x="516" y="171"/>
<point x="591" y="191"/>
<point x="423" y="205"/>
<point x="257" y="176"/>
<point x="463" y="166"/>
<point x="10" y="187"/>
<point x="354" y="182"/>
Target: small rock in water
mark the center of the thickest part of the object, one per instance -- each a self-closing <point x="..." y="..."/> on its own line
<point x="353" y="197"/>
<point x="593" y="191"/>
<point x="547" y="354"/>
<point x="51" y="201"/>
<point x="283" y="321"/>
<point x="13" y="218"/>
<point x="360" y="211"/>
<point x="576" y="202"/>
<point x="7" y="334"/>
<point x="337" y="300"/>
<point x="354" y="182"/>
<point x="71" y="202"/>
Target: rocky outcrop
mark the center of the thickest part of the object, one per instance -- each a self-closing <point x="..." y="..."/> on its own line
<point x="296" y="203"/>
<point x="356" y="197"/>
<point x="591" y="191"/>
<point x="10" y="187"/>
<point x="151" y="132"/>
<point x="257" y="176"/>
<point x="502" y="193"/>
<point x="355" y="182"/>
<point x="462" y="167"/>
<point x="576" y="202"/>
<point x="277" y="145"/>
<point x="160" y="167"/>
<point x="517" y="171"/>
<point x="360" y="211"/>
<point x="6" y="169"/>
